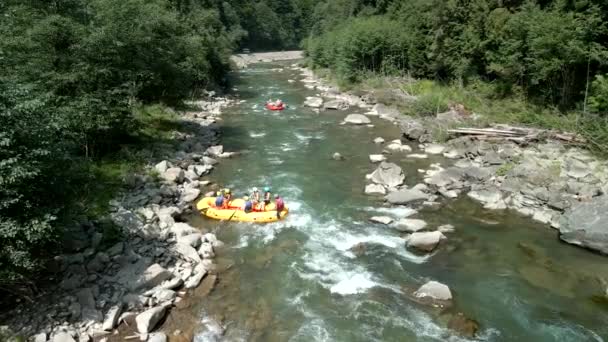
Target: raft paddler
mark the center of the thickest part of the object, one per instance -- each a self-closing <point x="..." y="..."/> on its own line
<point x="219" y="200"/>
<point x="279" y="204"/>
<point x="248" y="206"/>
<point x="267" y="197"/>
<point x="227" y="198"/>
<point x="255" y="196"/>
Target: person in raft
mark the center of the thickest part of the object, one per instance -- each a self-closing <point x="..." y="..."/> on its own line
<point x="280" y="205"/>
<point x="248" y="206"/>
<point x="227" y="198"/>
<point x="255" y="197"/>
<point x="219" y="200"/>
<point x="267" y="197"/>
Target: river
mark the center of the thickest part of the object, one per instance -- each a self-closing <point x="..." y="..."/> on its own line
<point x="297" y="280"/>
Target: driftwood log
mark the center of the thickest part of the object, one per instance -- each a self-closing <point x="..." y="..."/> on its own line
<point x="521" y="135"/>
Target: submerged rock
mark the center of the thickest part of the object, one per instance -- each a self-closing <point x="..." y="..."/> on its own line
<point x="379" y="140"/>
<point x="357" y="119"/>
<point x="377" y="158"/>
<point x="405" y="196"/>
<point x="381" y="219"/>
<point x="375" y="189"/>
<point x="464" y="326"/>
<point x="426" y="242"/>
<point x="585" y="224"/>
<point x="337" y="156"/>
<point x="435" y="290"/>
<point x="388" y="174"/>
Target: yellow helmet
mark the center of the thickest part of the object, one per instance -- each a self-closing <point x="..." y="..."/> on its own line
<point x="246" y="198"/>
<point x="226" y="191"/>
<point x="218" y="193"/>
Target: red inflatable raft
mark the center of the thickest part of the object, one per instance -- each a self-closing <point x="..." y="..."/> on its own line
<point x="274" y="107"/>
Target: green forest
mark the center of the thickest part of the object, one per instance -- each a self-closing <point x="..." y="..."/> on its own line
<point x="74" y="73"/>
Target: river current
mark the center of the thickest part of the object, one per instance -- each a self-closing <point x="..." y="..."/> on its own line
<point x="299" y="280"/>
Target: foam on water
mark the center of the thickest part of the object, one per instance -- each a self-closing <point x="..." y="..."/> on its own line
<point x="257" y="134"/>
<point x="356" y="284"/>
<point x="397" y="212"/>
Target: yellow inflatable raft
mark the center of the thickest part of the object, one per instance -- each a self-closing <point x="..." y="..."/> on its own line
<point x="234" y="213"/>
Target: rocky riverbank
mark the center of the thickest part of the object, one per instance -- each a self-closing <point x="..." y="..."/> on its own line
<point x="156" y="258"/>
<point x="244" y="59"/>
<point x="560" y="185"/>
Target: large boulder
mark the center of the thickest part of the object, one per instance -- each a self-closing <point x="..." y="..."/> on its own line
<point x="174" y="175"/>
<point x="377" y="158"/>
<point x="357" y="119"/>
<point x="375" y="189"/>
<point x="162" y="166"/>
<point x="381" y="219"/>
<point x="426" y="241"/>
<point x="215" y="151"/>
<point x="187" y="252"/>
<point x="336" y="104"/>
<point x="405" y="196"/>
<point x="313" y="102"/>
<point x="388" y="174"/>
<point x="147" y="320"/>
<point x="190" y="194"/>
<point x="585" y="224"/>
<point x="410" y="225"/>
<point x="152" y="276"/>
<point x="435" y="290"/>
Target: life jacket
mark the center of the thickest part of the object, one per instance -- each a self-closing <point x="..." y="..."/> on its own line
<point x="248" y="206"/>
<point x="219" y="201"/>
<point x="280" y="204"/>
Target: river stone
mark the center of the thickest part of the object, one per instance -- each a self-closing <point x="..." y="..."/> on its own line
<point x="174" y="175"/>
<point x="147" y="320"/>
<point x="111" y="317"/>
<point x="215" y="151"/>
<point x="206" y="250"/>
<point x="435" y="290"/>
<point x="446" y="228"/>
<point x="434" y="149"/>
<point x="164" y="295"/>
<point x="157" y="337"/>
<point x="193" y="240"/>
<point x="187" y="251"/>
<point x="381" y="219"/>
<point x="490" y="197"/>
<point x="357" y="119"/>
<point x="405" y="196"/>
<point x="313" y="102"/>
<point x="335" y="105"/>
<point x="152" y="276"/>
<point x="40" y="337"/>
<point x="337" y="156"/>
<point x="209" y="161"/>
<point x="190" y="194"/>
<point x="199" y="272"/>
<point x="379" y="140"/>
<point x="463" y="326"/>
<point x="181" y="229"/>
<point x="388" y="174"/>
<point x="585" y="224"/>
<point x="162" y="166"/>
<point x="374" y="189"/>
<point x="377" y="158"/>
<point x="426" y="241"/>
<point x="63" y="336"/>
<point x="417" y="156"/>
<point x="410" y="225"/>
<point x="397" y="146"/>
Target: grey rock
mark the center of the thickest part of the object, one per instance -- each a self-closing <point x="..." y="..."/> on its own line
<point x="63" y="336"/>
<point x="147" y="320"/>
<point x="164" y="295"/>
<point x="379" y="140"/>
<point x="206" y="251"/>
<point x="127" y="220"/>
<point x="111" y="318"/>
<point x="477" y="174"/>
<point x="199" y="272"/>
<point x="374" y="189"/>
<point x="116" y="249"/>
<point x="191" y="176"/>
<point x="174" y="175"/>
<point x="585" y="224"/>
<point x="337" y="156"/>
<point x="410" y="225"/>
<point x="336" y="105"/>
<point x="381" y="219"/>
<point x="193" y="240"/>
<point x="162" y="166"/>
<point x="190" y="195"/>
<point x="172" y="284"/>
<point x="377" y="158"/>
<point x="426" y="241"/>
<point x="157" y="337"/>
<point x="435" y="290"/>
<point x="411" y="128"/>
<point x="152" y="276"/>
<point x="434" y="149"/>
<point x="187" y="252"/>
<point x="385" y="111"/>
<point x="212" y="239"/>
<point x="88" y="312"/>
<point x="84" y="337"/>
<point x="405" y="196"/>
<point x="490" y="197"/>
<point x="388" y="174"/>
<point x="446" y="228"/>
<point x="98" y="263"/>
<point x="147" y="213"/>
<point x="180" y="229"/>
<point x="209" y="161"/>
<point x="397" y="146"/>
<point x="357" y="119"/>
<point x="40" y="337"/>
<point x="313" y="102"/>
<point x="215" y="151"/>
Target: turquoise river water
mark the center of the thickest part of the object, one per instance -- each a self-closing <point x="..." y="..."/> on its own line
<point x="297" y="280"/>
